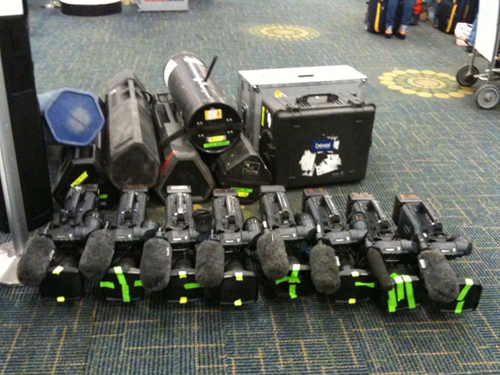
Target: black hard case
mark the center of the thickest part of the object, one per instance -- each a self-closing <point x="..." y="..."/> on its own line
<point x="293" y="129"/>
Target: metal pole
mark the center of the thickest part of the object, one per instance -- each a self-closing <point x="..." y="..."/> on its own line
<point x="10" y="252"/>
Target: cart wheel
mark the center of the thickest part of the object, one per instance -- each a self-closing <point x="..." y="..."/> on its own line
<point x="464" y="78"/>
<point x="487" y="96"/>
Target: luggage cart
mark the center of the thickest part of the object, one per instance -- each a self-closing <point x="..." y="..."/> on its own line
<point x="486" y="44"/>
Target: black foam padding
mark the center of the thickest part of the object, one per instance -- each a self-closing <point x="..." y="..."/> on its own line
<point x="156" y="264"/>
<point x="97" y="255"/>
<point x="440" y="280"/>
<point x="91" y="10"/>
<point x="33" y="265"/>
<point x="272" y="255"/>
<point x="324" y="269"/>
<point x="209" y="268"/>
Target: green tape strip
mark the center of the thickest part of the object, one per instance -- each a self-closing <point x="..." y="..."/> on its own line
<point x="409" y="292"/>
<point x="292" y="280"/>
<point x="460" y="305"/>
<point x="369" y="285"/>
<point x="400" y="288"/>
<point x="465" y="290"/>
<point x="216" y="144"/>
<point x="192" y="286"/>
<point x="107" y="284"/>
<point x="137" y="283"/>
<point x="103" y="196"/>
<point x="293" y="291"/>
<point x="392" y="303"/>
<point x="123" y="283"/>
<point x="403" y="282"/>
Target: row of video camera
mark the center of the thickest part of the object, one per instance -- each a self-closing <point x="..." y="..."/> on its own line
<point x="352" y="259"/>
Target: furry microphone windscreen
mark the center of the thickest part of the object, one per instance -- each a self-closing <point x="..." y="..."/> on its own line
<point x="209" y="268"/>
<point x="156" y="264"/>
<point x="272" y="255"/>
<point x="32" y="267"/>
<point x="439" y="278"/>
<point x="379" y="270"/>
<point x="324" y="269"/>
<point x="97" y="255"/>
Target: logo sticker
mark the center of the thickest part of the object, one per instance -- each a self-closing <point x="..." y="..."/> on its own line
<point x="322" y="145"/>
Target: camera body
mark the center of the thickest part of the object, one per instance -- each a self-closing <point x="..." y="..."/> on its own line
<point x="297" y="231"/>
<point x="184" y="228"/>
<point x="239" y="286"/>
<point x="356" y="284"/>
<point x="390" y="259"/>
<point x="417" y="221"/>
<point x="77" y="220"/>
<point x="122" y="281"/>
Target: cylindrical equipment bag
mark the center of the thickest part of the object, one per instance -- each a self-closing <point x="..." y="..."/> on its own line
<point x="212" y="123"/>
<point x="133" y="150"/>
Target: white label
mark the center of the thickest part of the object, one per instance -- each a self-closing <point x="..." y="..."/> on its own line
<point x="422" y="264"/>
<point x="168" y="70"/>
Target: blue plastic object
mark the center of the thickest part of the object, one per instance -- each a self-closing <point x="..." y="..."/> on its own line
<point x="74" y="117"/>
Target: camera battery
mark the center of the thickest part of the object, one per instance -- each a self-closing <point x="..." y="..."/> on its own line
<point x="241" y="168"/>
<point x="316" y="139"/>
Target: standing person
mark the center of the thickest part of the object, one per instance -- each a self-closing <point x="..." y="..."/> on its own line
<point x="392" y="6"/>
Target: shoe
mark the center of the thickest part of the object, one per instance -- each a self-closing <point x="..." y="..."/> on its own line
<point x="469" y="48"/>
<point x="388" y="35"/>
<point x="401" y="35"/>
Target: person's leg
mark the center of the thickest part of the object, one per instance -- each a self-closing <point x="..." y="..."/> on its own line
<point x="407" y="12"/>
<point x="472" y="35"/>
<point x="392" y="6"/>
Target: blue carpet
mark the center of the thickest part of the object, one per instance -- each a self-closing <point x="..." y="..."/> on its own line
<point x="436" y="144"/>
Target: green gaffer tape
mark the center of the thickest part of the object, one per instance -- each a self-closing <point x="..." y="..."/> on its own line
<point x="460" y="306"/>
<point x="465" y="290"/>
<point x="137" y="283"/>
<point x="392" y="303"/>
<point x="402" y="282"/>
<point x="462" y="295"/>
<point x="400" y="288"/>
<point x="409" y="291"/>
<point x="216" y="144"/>
<point x="192" y="286"/>
<point x="107" y="284"/>
<point x="369" y="285"/>
<point x="293" y="278"/>
<point x="243" y="190"/>
<point x="123" y="283"/>
<point x="293" y="291"/>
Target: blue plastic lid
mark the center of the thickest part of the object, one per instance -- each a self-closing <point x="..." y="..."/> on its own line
<point x="74" y="117"/>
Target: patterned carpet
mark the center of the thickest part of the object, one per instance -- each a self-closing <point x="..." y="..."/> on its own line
<point x="429" y="139"/>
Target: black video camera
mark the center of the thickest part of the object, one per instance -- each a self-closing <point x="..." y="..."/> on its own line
<point x="417" y="221"/>
<point x="184" y="228"/>
<point x="122" y="281"/>
<point x="239" y="286"/>
<point x="77" y="220"/>
<point x="356" y="284"/>
<point x="389" y="258"/>
<point x="296" y="230"/>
